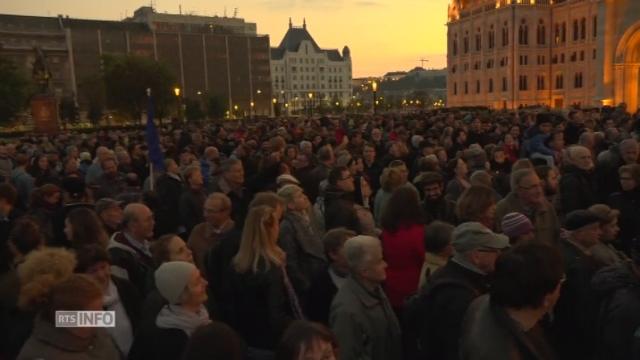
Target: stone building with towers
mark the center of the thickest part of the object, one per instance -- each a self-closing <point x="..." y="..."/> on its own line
<point x="304" y="75"/>
<point x="558" y="53"/>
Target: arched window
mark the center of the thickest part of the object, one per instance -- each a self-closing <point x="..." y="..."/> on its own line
<point x="505" y="34"/>
<point x="478" y="40"/>
<point x="492" y="37"/>
<point x="583" y="28"/>
<point x="466" y="42"/>
<point x="576" y="30"/>
<point x="455" y="44"/>
<point x="541" y="33"/>
<point x="523" y="33"/>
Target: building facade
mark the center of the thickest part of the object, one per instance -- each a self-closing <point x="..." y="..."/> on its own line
<point x="208" y="56"/>
<point x="558" y="53"/>
<point x="305" y="75"/>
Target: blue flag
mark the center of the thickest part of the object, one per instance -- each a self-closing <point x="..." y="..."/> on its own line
<point x="153" y="140"/>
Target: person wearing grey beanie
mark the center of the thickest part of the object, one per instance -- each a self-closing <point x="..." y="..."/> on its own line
<point x="183" y="287"/>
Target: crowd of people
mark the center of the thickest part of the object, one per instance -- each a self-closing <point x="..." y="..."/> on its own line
<point x="449" y="234"/>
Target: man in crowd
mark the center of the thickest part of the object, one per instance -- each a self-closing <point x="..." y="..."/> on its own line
<point x="441" y="305"/>
<point x="339" y="208"/>
<point x="361" y="317"/>
<point x="111" y="183"/>
<point x="110" y="213"/>
<point x="326" y="160"/>
<point x="192" y="198"/>
<point x="435" y="205"/>
<point x="574" y="312"/>
<point x="129" y="249"/>
<point x="231" y="183"/>
<point x="577" y="184"/>
<point x="22" y="181"/>
<point x="527" y="197"/>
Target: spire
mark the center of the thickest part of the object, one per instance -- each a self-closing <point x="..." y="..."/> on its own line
<point x="290" y="23"/>
<point x="304" y="23"/>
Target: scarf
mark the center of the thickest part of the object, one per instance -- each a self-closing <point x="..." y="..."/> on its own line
<point x="176" y="317"/>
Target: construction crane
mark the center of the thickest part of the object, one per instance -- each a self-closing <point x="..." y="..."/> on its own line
<point x="422" y="61"/>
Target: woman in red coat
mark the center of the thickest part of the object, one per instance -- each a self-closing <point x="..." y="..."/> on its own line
<point x="402" y="244"/>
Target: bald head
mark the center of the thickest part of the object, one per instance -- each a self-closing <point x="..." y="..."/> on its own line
<point x="580" y="157"/>
<point x="138" y="221"/>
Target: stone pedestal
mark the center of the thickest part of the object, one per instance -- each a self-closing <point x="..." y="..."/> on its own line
<point x="44" y="109"/>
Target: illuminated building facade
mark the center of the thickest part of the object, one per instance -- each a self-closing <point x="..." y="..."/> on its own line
<point x="512" y="53"/>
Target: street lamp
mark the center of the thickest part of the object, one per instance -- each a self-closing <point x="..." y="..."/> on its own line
<point x="274" y="101"/>
<point x="176" y="91"/>
<point x="310" y="104"/>
<point x="374" y="88"/>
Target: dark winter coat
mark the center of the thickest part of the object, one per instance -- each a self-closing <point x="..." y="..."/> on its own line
<point x="167" y="216"/>
<point x="617" y="289"/>
<point x="442" y="210"/>
<point x="628" y="202"/>
<point x="161" y="344"/>
<point x="489" y="333"/>
<point x="130" y="263"/>
<point x="321" y="294"/>
<point x="191" y="207"/>
<point x="305" y="252"/>
<point x="339" y="210"/>
<point x="577" y="189"/>
<point x="240" y="200"/>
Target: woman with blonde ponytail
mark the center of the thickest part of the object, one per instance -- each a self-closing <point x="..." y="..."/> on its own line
<point x="262" y="300"/>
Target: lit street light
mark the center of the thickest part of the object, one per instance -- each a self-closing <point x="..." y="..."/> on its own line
<point x="374" y="88"/>
<point x="176" y="91"/>
<point x="310" y="104"/>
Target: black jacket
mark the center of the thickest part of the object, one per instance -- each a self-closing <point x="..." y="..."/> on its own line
<point x="131" y="263"/>
<point x="191" y="208"/>
<point x="321" y="294"/>
<point x="131" y="300"/>
<point x="217" y="266"/>
<point x="628" y="202"/>
<point x="312" y="184"/>
<point x="442" y="210"/>
<point x="489" y="333"/>
<point x="617" y="289"/>
<point x="574" y="310"/>
<point x="577" y="189"/>
<point x="167" y="216"/>
<point x="440" y="309"/>
<point x="260" y="310"/>
<point x="161" y="344"/>
<point x="339" y="210"/>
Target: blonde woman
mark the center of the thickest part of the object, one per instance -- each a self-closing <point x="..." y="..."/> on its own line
<point x="300" y="239"/>
<point x="263" y="301"/>
<point x="391" y="179"/>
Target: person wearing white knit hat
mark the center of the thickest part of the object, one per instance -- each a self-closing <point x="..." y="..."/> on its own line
<point x="184" y="288"/>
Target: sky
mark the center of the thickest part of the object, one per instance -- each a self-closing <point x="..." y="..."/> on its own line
<point x="383" y="35"/>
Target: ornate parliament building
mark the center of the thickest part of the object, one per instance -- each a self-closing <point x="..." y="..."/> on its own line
<point x="558" y="53"/>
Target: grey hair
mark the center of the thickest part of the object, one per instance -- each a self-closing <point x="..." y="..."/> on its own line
<point x="221" y="197"/>
<point x="518" y="175"/>
<point x="287" y="192"/>
<point x="359" y="250"/>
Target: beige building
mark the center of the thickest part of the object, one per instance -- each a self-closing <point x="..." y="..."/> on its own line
<point x="303" y="74"/>
<point x="511" y="53"/>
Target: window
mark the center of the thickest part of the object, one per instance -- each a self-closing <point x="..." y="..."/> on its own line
<point x="542" y="60"/>
<point x="455" y="45"/>
<point x="492" y="38"/>
<point x="559" y="82"/>
<point x="478" y="40"/>
<point x="561" y="58"/>
<point x="453" y="69"/>
<point x="466" y="42"/>
<point x="466" y="88"/>
<point x="583" y="29"/>
<point x="523" y="33"/>
<point x="505" y="34"/>
<point x="576" y="30"/>
<point x="524" y="60"/>
<point x="578" y="81"/>
<point x="455" y="88"/>
<point x="554" y="60"/>
<point x="541" y="33"/>
<point x="523" y="85"/>
<point x="556" y="35"/>
<point x="574" y="57"/>
<point x="582" y="55"/>
<point x="490" y="64"/>
<point x="595" y="52"/>
<point x="564" y="32"/>
<point x="595" y="26"/>
<point x="540" y="82"/>
<point x="490" y="86"/>
<point x="478" y="87"/>
<point x="505" y="84"/>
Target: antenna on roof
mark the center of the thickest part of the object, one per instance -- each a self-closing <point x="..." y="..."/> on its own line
<point x="290" y="23"/>
<point x="235" y="13"/>
<point x="304" y="23"/>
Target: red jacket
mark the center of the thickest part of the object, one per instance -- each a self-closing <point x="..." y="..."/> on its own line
<point x="404" y="253"/>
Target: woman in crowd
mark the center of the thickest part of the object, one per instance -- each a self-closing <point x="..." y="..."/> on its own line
<point x="628" y="203"/>
<point x="215" y="340"/>
<point x="262" y="299"/>
<point x="390" y="180"/>
<point x="402" y="244"/>
<point x="118" y="294"/>
<point x="307" y="340"/>
<point x="46" y="208"/>
<point x="477" y="203"/>
<point x="300" y="239"/>
<point x="41" y="171"/>
<point x="362" y="200"/>
<point x="183" y="287"/>
<point x="458" y="173"/>
<point x="48" y="341"/>
<point x="83" y="227"/>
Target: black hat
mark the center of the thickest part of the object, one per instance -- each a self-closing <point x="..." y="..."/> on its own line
<point x="543" y="118"/>
<point x="578" y="219"/>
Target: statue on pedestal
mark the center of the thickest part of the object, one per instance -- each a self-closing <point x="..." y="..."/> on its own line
<point x="41" y="74"/>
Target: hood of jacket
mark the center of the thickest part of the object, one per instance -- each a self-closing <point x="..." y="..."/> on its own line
<point x="614" y="277"/>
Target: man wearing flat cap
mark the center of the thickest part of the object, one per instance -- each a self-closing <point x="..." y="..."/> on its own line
<point x="572" y="325"/>
<point x="442" y="304"/>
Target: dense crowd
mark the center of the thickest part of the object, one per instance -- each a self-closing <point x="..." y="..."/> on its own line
<point x="449" y="234"/>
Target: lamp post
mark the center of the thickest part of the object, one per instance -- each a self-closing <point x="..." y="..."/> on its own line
<point x="274" y="101"/>
<point x="176" y="91"/>
<point x="310" y="105"/>
<point x="374" y="88"/>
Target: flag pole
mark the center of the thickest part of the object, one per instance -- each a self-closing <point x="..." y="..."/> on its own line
<point x="151" y="180"/>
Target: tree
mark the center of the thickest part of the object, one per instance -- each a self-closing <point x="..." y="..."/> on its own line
<point x="95" y="97"/>
<point x="216" y="107"/>
<point x="14" y="90"/>
<point x="126" y="79"/>
<point x="193" y="110"/>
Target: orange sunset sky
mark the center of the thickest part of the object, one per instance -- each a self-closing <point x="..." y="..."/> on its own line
<point x="383" y="35"/>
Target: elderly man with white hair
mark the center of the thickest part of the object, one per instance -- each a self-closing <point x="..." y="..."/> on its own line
<point x="625" y="153"/>
<point x="361" y="316"/>
<point x="578" y="189"/>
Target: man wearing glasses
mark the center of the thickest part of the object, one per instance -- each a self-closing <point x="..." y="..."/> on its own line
<point x="527" y="197"/>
